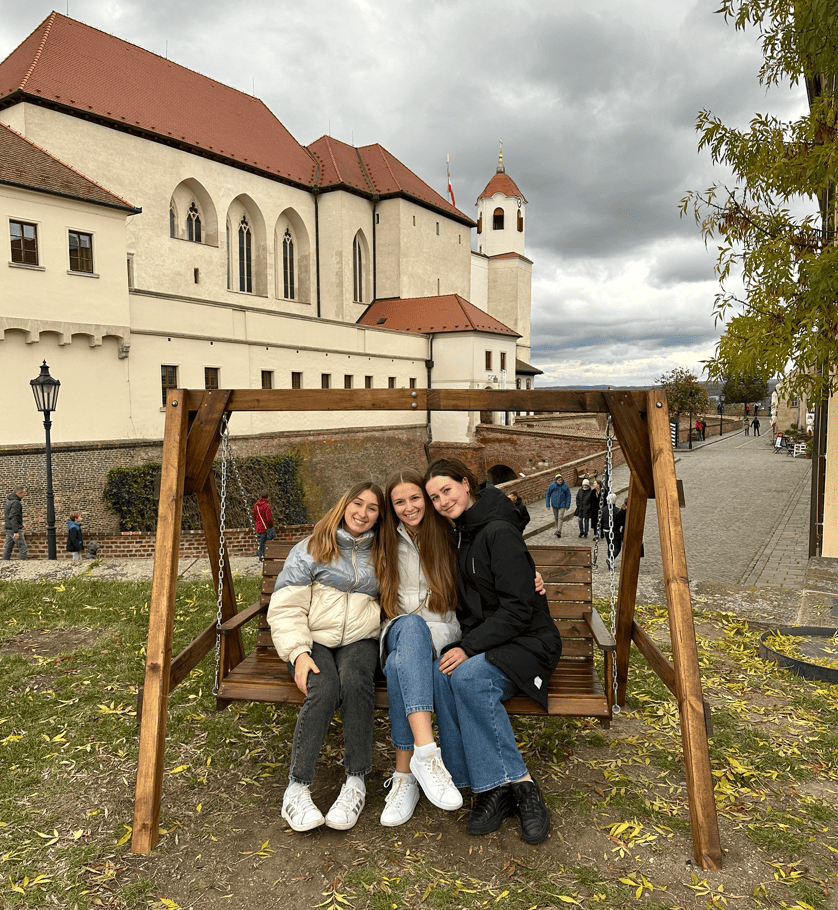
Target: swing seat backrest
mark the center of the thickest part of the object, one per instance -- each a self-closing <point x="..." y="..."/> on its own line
<point x="574" y="689"/>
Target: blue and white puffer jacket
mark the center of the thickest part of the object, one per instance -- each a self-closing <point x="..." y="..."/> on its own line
<point x="333" y="604"/>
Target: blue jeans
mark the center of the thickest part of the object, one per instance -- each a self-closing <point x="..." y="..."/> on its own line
<point x="22" y="548"/>
<point x="263" y="537"/>
<point x="584" y="524"/>
<point x="409" y="670"/>
<point x="347" y="681"/>
<point x="475" y="733"/>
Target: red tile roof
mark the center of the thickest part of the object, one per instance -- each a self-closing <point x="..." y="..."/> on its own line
<point x="432" y="315"/>
<point x="501" y="183"/>
<point x="24" y="164"/>
<point x="76" y="67"/>
<point x="521" y="366"/>
<point x="373" y="170"/>
<point x="510" y="256"/>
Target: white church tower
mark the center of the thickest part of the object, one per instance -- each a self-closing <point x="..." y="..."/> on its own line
<point x="501" y="274"/>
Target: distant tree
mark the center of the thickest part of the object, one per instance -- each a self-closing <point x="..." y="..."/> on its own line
<point x="786" y="323"/>
<point x="743" y="389"/>
<point x="684" y="393"/>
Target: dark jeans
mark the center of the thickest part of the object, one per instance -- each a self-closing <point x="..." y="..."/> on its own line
<point x="584" y="523"/>
<point x="345" y="681"/>
<point x="262" y="540"/>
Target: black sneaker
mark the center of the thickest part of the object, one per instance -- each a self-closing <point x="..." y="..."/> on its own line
<point x="490" y="809"/>
<point x="533" y="811"/>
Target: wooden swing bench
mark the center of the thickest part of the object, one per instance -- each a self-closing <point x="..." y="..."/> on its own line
<point x="574" y="689"/>
<point x="194" y="423"/>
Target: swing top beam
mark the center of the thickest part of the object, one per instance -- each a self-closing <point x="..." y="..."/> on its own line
<point x="641" y="423"/>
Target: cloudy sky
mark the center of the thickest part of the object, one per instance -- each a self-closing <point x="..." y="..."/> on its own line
<point x="596" y="105"/>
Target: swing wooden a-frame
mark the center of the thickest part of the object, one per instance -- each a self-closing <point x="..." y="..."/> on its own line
<point x="641" y="424"/>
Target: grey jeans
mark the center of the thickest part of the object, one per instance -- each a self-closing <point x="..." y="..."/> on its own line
<point x="347" y="681"/>
<point x="22" y="549"/>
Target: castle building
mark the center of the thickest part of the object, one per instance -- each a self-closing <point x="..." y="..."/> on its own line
<point x="167" y="231"/>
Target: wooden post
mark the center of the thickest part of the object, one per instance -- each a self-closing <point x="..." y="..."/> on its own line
<point x="705" y="824"/>
<point x="160" y="623"/>
<point x="629" y="573"/>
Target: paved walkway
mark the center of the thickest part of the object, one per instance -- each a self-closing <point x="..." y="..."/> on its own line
<point x="745" y="519"/>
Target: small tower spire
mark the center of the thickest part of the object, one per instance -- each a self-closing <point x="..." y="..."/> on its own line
<point x="501" y="169"/>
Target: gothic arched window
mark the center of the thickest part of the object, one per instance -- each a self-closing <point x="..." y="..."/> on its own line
<point x="245" y="257"/>
<point x="357" y="271"/>
<point x="497" y="220"/>
<point x="288" y="265"/>
<point x="193" y="223"/>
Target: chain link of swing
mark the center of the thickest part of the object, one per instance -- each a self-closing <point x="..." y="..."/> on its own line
<point x="608" y="503"/>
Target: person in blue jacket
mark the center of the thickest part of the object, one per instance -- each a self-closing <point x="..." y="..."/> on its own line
<point x="558" y="498"/>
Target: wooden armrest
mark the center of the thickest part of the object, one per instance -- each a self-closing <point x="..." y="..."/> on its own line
<point x="602" y="636"/>
<point x="241" y="618"/>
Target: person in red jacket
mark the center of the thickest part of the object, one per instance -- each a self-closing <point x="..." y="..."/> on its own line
<point x="263" y="521"/>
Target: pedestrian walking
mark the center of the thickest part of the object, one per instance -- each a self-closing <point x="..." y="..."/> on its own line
<point x="747" y="424"/>
<point x="75" y="541"/>
<point x="557" y="498"/>
<point x="263" y="522"/>
<point x="13" y="524"/>
<point x="755" y="425"/>
<point x="584" y="507"/>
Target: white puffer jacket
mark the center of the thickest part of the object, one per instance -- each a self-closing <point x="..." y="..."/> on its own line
<point x="333" y="604"/>
<point x="413" y="598"/>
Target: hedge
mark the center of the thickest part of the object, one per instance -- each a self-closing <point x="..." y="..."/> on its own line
<point x="132" y="493"/>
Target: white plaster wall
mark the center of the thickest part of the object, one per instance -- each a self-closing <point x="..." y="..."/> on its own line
<point x="830" y="505"/>
<point x="510" y="294"/>
<point x="480" y="281"/>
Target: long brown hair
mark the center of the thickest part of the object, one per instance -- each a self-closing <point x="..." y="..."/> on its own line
<point x="456" y="470"/>
<point x="436" y="552"/>
<point x="323" y="543"/>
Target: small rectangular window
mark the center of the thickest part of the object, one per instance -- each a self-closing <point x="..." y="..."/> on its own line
<point x="267" y="379"/>
<point x="391" y="382"/>
<point x="81" y="252"/>
<point x="210" y="377"/>
<point x="168" y="380"/>
<point x="488" y="360"/>
<point x="24" y="239"/>
<point x="412" y="382"/>
<point x="325" y="380"/>
<point x="503" y="360"/>
<point x="347" y="382"/>
<point x="130" y="266"/>
<point x="296" y="380"/>
<point x="367" y="382"/>
<point x="437" y="228"/>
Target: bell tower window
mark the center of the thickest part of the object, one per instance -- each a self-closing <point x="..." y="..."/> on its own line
<point x="497" y="219"/>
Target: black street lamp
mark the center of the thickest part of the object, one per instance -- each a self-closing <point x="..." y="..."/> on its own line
<point x="45" y="389"/>
<point x="721" y="410"/>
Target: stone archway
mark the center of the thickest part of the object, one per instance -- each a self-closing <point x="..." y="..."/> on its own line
<point x="500" y="473"/>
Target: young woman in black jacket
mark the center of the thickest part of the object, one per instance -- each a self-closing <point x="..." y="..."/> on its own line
<point x="509" y="644"/>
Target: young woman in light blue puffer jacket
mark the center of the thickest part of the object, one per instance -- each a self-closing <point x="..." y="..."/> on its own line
<point x="324" y="616"/>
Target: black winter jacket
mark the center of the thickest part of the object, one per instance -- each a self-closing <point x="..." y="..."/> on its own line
<point x="586" y="502"/>
<point x="499" y="611"/>
<point x="13" y="513"/>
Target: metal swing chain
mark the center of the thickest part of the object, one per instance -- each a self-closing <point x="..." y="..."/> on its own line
<point x="243" y="494"/>
<point x="225" y="455"/>
<point x="610" y="558"/>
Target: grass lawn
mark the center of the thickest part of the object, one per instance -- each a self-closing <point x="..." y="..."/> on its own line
<point x="72" y="657"/>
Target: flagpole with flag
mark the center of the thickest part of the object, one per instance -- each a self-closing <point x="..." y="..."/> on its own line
<point x="448" y="171"/>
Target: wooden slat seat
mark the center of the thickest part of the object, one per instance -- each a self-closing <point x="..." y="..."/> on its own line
<point x="574" y="688"/>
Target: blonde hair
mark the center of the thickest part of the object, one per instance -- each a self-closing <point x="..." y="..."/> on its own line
<point x="323" y="543"/>
<point x="436" y="552"/>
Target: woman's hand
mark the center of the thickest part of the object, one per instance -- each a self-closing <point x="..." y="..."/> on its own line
<point x="539" y="584"/>
<point x="302" y="665"/>
<point x="452" y="659"/>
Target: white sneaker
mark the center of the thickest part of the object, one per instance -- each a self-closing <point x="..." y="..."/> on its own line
<point x="346" y="808"/>
<point x="298" y="808"/>
<point x="400" y="802"/>
<point x="435" y="781"/>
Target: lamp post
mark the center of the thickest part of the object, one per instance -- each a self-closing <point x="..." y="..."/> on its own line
<point x="721" y="410"/>
<point x="45" y="389"/>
